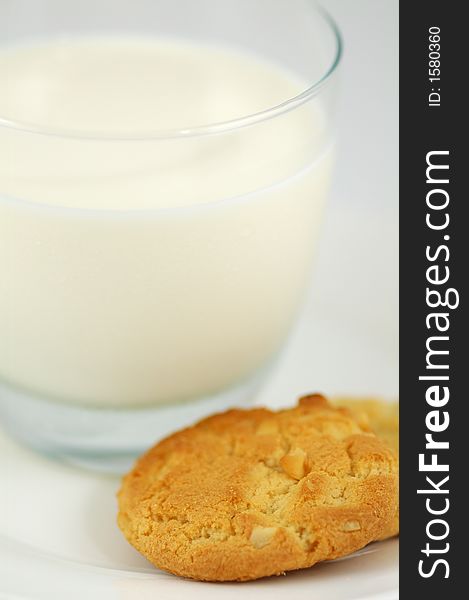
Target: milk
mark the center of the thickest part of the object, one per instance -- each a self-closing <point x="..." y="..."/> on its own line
<point x="143" y="258"/>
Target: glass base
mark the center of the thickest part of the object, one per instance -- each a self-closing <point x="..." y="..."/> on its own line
<point x="106" y="439"/>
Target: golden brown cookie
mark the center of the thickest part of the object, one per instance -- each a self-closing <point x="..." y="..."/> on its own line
<point x="250" y="493"/>
<point x="380" y="417"/>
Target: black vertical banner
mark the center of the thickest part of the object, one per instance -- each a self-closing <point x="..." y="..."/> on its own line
<point x="434" y="267"/>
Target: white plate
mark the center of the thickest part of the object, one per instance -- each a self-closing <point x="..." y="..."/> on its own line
<point x="58" y="538"/>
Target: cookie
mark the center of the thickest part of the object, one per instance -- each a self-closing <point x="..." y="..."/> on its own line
<point x="251" y="493"/>
<point x="380" y="417"/>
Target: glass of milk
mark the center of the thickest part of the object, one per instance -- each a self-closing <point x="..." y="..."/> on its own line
<point x="164" y="165"/>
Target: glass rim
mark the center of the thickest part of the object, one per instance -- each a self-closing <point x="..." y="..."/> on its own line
<point x="210" y="129"/>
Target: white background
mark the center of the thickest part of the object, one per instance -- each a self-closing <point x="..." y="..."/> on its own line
<point x="345" y="341"/>
<point x="367" y="173"/>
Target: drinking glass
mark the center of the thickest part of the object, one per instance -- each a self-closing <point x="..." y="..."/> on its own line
<point x="120" y="323"/>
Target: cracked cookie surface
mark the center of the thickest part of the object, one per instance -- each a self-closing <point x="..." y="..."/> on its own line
<point x="379" y="416"/>
<point x="251" y="493"/>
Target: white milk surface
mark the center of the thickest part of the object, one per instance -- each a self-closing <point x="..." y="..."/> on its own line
<point x="139" y="266"/>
